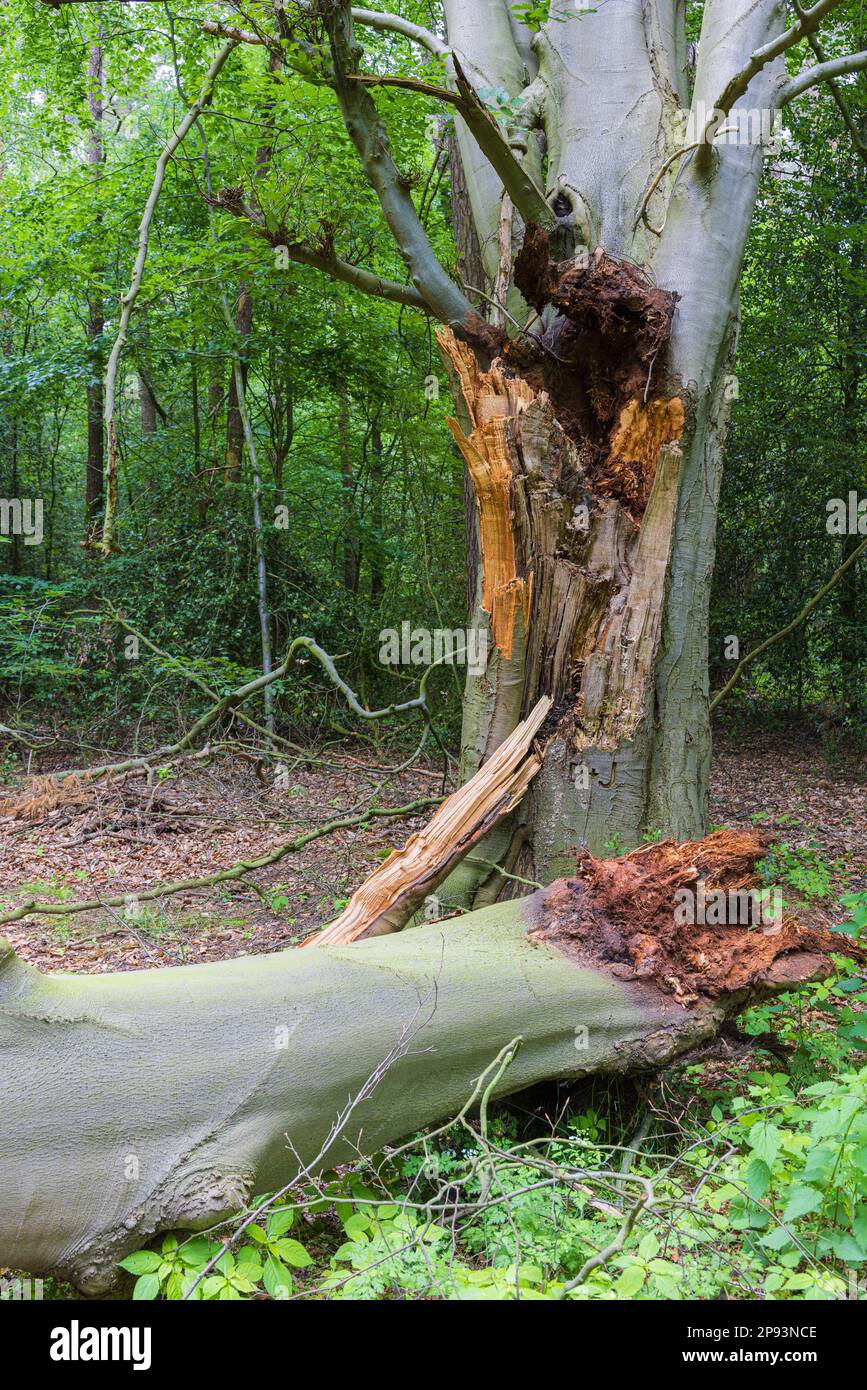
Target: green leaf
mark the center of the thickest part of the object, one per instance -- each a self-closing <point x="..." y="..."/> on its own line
<point x="249" y="1264"/>
<point x="293" y="1252"/>
<point x="757" y="1177"/>
<point x="197" y="1252"/>
<point x="777" y="1239"/>
<point x="846" y="1248"/>
<point x="147" y="1287"/>
<point x="277" y="1279"/>
<point x="141" y="1262"/>
<point x="357" y="1226"/>
<point x="802" y="1200"/>
<point x="820" y="1165"/>
<point x="764" y="1140"/>
<point x="279" y="1222"/>
<point x="630" y="1281"/>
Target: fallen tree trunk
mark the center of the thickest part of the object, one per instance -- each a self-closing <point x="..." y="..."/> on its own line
<point x="157" y="1100"/>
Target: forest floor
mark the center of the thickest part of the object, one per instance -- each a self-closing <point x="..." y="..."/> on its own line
<point x="112" y="840"/>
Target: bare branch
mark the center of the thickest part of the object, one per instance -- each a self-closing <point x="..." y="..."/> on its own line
<point x="370" y="138"/>
<point x="376" y="19"/>
<point x="822" y="72"/>
<point x="737" y="85"/>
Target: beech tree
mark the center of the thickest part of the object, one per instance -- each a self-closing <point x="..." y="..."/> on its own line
<point x="609" y="172"/>
<point x="605" y="174"/>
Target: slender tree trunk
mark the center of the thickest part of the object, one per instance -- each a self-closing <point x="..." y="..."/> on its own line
<point x="234" y="422"/>
<point x="95" y="309"/>
<point x="147" y="400"/>
<point x="377" y="488"/>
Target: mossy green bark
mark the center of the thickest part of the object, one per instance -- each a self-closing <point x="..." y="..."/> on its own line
<point x="163" y="1099"/>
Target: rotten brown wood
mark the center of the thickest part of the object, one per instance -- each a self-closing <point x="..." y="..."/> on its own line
<point x="564" y="561"/>
<point x="622" y="913"/>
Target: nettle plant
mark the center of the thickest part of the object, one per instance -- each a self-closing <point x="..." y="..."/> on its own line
<point x="797" y="1191"/>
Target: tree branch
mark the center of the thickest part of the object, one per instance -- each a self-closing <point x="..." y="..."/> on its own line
<point x="520" y="185"/>
<point x="790" y="627"/>
<point x="376" y="19"/>
<point x="229" y="31"/>
<point x="823" y="72"/>
<point x="165" y="890"/>
<point x="522" y="188"/>
<point x="370" y="138"/>
<point x="737" y="85"/>
<point x="836" y="93"/>
<point x="323" y="258"/>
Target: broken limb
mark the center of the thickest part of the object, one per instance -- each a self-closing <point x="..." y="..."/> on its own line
<point x="238" y="871"/>
<point x="790" y="627"/>
<point x="207" y="1084"/>
<point x="228" y="704"/>
<point x="396" y="890"/>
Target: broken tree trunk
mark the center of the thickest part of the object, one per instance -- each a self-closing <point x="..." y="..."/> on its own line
<point x="388" y="898"/>
<point x="164" y="1099"/>
<point x="576" y="483"/>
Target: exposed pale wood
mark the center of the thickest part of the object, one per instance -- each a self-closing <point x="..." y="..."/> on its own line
<point x="393" y="892"/>
<point x="493" y="402"/>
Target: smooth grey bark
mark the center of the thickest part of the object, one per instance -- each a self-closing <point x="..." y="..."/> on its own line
<point x="164" y="1099"/>
<point x="611" y="95"/>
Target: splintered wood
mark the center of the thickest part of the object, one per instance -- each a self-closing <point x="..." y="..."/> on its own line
<point x="625" y="913"/>
<point x="491" y="400"/>
<point x="386" y="901"/>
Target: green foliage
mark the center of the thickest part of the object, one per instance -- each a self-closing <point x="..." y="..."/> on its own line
<point x="802" y="867"/>
<point x="752" y="1184"/>
<point x="265" y="1264"/>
